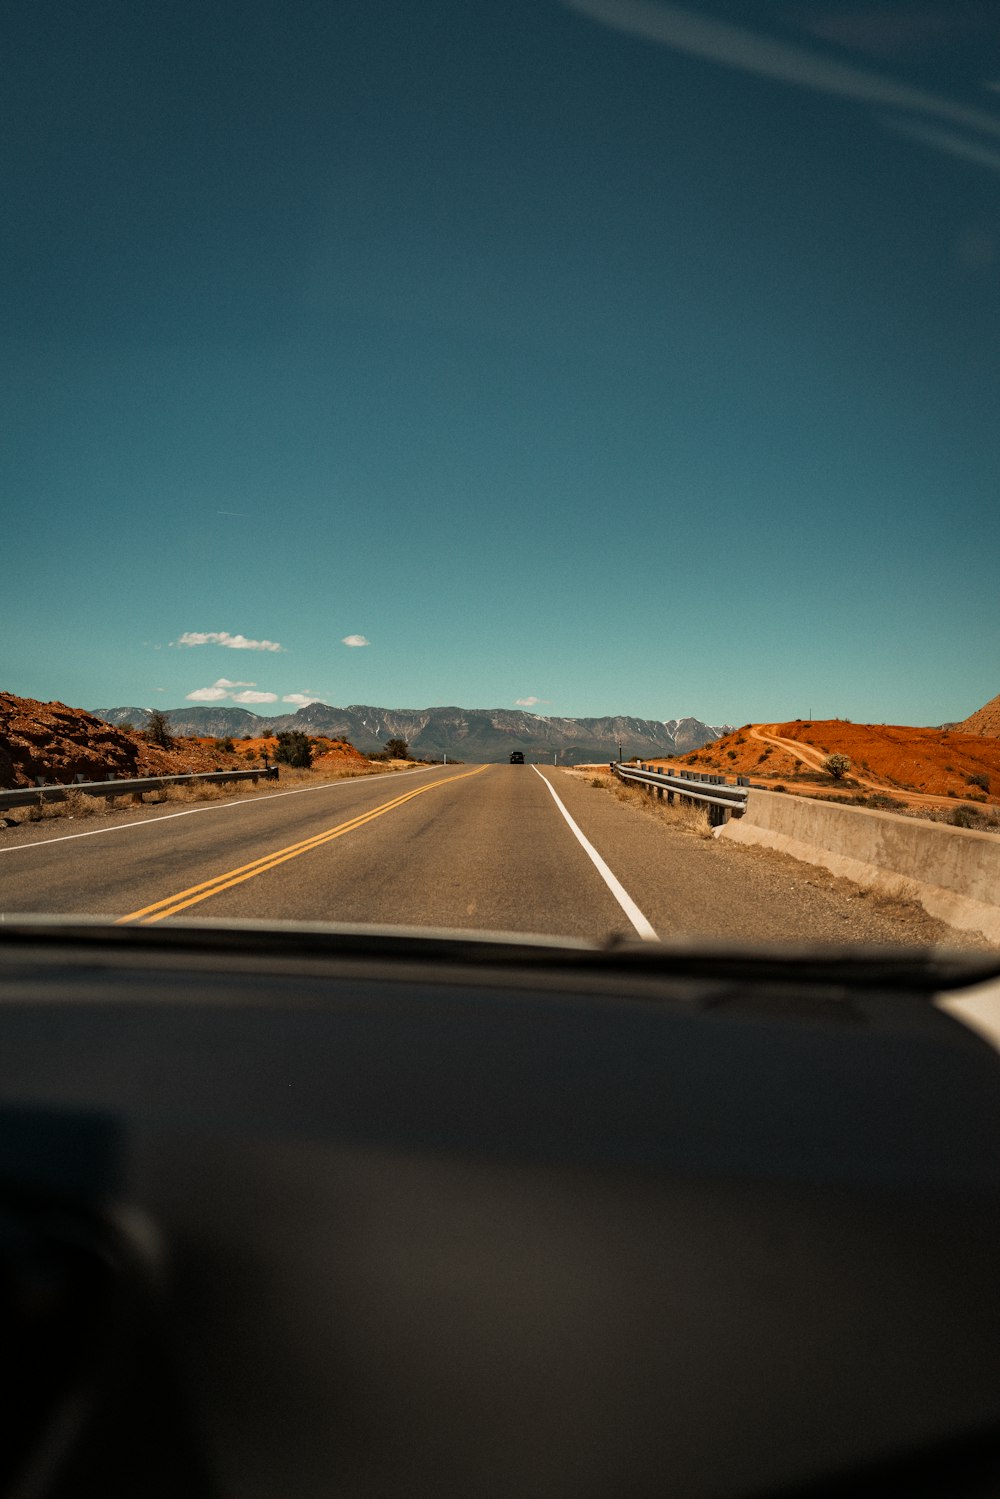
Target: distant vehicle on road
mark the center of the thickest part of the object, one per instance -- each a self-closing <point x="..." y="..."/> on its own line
<point x="517" y="757"/>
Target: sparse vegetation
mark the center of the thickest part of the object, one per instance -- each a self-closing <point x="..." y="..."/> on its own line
<point x="157" y="730"/>
<point x="397" y="749"/>
<point x="293" y="748"/>
<point x="978" y="779"/>
<point x="688" y="817"/>
<point x="879" y="801"/>
<point x="837" y="766"/>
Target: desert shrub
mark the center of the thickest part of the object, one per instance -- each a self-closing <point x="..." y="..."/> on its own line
<point x="157" y="730"/>
<point x="880" y="801"/>
<point x="397" y="749"/>
<point x="731" y="754"/>
<point x="226" y="745"/>
<point x="964" y="817"/>
<point x="837" y="766"/>
<point x="978" y="779"/>
<point x="293" y="748"/>
<point x="779" y="787"/>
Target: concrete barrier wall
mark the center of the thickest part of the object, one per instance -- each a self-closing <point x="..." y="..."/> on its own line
<point x="954" y="873"/>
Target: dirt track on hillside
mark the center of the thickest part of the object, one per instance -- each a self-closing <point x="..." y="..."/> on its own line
<point x="814" y="759"/>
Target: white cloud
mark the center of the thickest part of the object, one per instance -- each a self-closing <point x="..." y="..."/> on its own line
<point x="529" y="702"/>
<point x="223" y="637"/>
<point x="355" y="640"/>
<point x="301" y="699"/>
<point x="223" y="687"/>
<point x="769" y="57"/>
<point x="947" y="140"/>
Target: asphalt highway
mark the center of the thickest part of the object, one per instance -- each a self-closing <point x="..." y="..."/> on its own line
<point x="491" y="848"/>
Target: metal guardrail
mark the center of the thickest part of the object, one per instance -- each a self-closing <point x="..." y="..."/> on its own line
<point x="27" y="796"/>
<point x="714" y="791"/>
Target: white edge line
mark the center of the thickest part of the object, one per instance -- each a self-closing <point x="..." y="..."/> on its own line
<point x="257" y="801"/>
<point x="621" y="895"/>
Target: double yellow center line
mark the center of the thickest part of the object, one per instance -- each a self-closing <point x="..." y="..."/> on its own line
<point x="191" y="897"/>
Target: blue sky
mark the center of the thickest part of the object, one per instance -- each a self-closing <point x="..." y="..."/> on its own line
<point x="599" y="356"/>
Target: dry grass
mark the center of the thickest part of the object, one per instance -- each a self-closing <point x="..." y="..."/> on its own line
<point x="685" y="816"/>
<point x="77" y="805"/>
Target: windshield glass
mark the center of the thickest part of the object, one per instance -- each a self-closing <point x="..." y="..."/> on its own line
<point x="396" y="393"/>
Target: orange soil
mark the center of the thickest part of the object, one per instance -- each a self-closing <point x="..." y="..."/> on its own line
<point x="916" y="765"/>
<point x="327" y="753"/>
<point x="57" y="742"/>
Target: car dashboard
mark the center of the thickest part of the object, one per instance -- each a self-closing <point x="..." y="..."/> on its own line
<point x="313" y="1211"/>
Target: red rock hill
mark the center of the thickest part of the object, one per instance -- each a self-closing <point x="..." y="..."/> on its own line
<point x="60" y="743"/>
<point x="985" y="720"/>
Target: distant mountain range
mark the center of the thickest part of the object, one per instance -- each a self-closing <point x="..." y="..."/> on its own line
<point x="472" y="734"/>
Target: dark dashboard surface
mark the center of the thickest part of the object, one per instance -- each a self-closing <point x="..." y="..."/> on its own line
<point x="466" y="1217"/>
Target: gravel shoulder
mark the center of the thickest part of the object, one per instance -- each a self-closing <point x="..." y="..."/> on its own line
<point x="690" y="884"/>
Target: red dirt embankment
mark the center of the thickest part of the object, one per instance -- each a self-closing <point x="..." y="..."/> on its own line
<point x="60" y="743"/>
<point x="328" y="754"/>
<point x="985" y="720"/>
<point x="908" y="763"/>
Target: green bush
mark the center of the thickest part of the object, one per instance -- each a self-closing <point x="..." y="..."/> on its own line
<point x="157" y="730"/>
<point x="397" y="749"/>
<point x="293" y="748"/>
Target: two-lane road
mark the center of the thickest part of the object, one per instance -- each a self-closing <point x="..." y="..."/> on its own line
<point x="488" y="848"/>
<point x="484" y="847"/>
